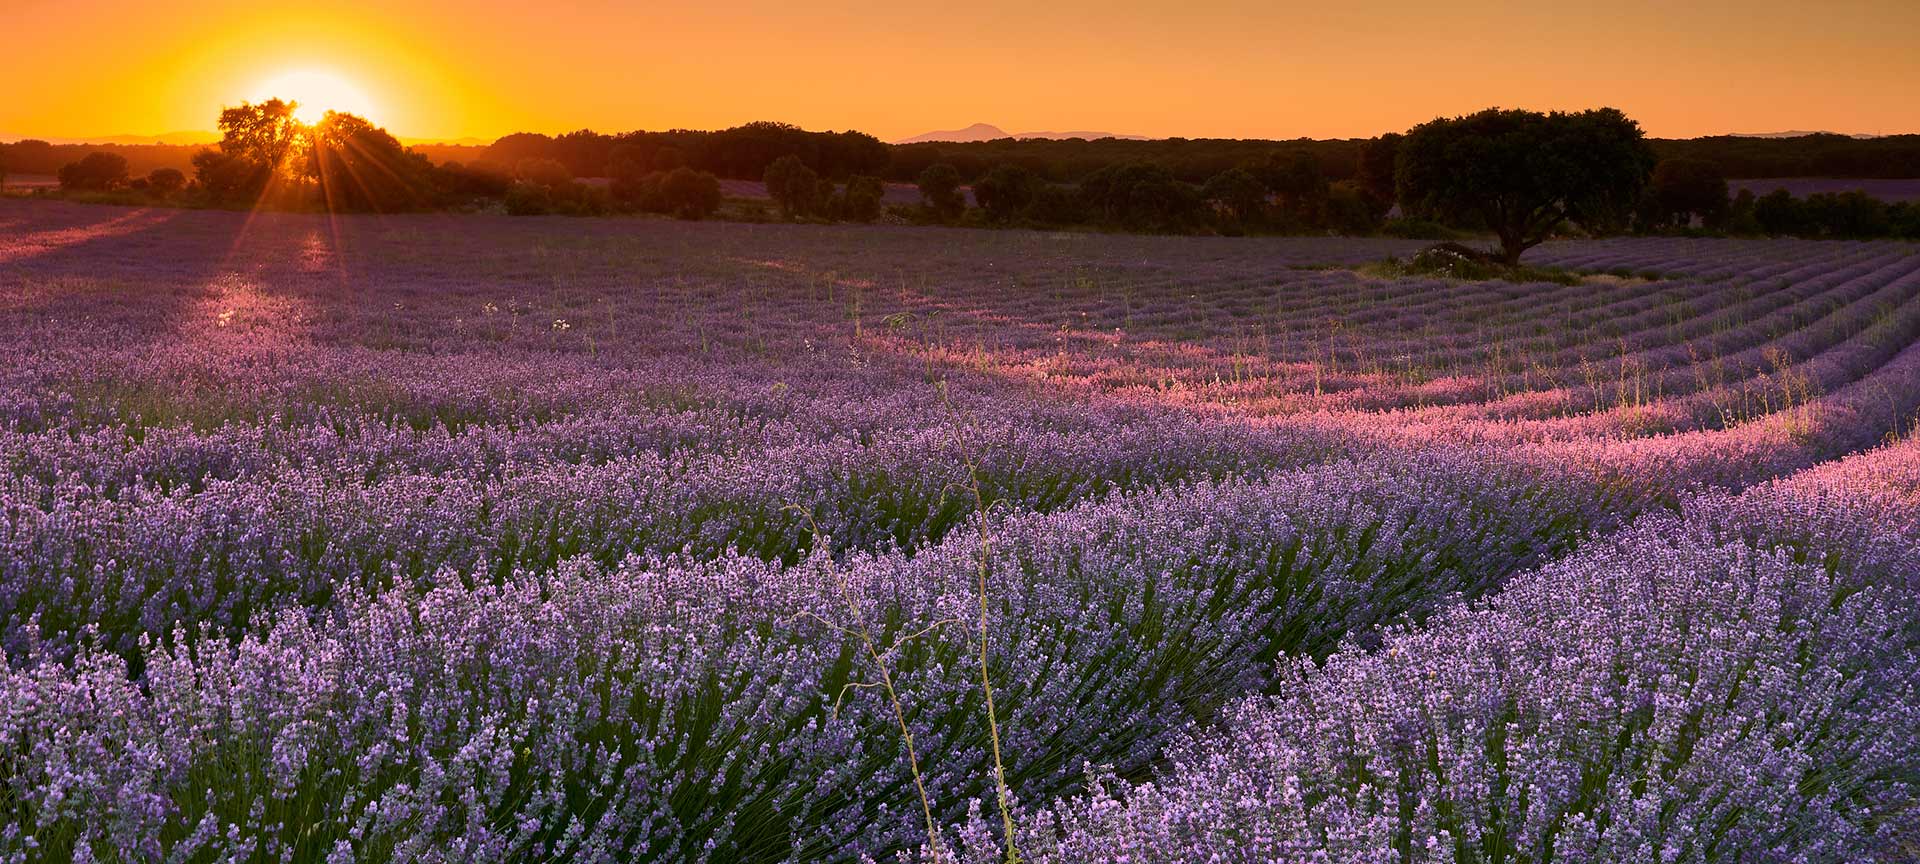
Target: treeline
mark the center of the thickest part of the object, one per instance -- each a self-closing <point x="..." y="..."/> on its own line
<point x="744" y="152"/>
<point x="33" y="156"/>
<point x="1280" y="191"/>
<point x="1219" y="186"/>
<point x="268" y="158"/>
<point x="1894" y="157"/>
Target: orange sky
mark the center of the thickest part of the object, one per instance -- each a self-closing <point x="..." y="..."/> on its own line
<point x="1271" y="69"/>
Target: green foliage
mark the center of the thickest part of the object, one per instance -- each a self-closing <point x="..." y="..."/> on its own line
<point x="1683" y="190"/>
<point x="1374" y="174"/>
<point x="165" y="182"/>
<point x="357" y="166"/>
<point x="794" y="187"/>
<point x="1006" y="192"/>
<point x="567" y="199"/>
<point x="1851" y="215"/>
<point x="1524" y="173"/>
<point x="690" y="194"/>
<point x="1350" y="210"/>
<point x="545" y="173"/>
<point x="97" y="172"/>
<point x="1141" y="196"/>
<point x="1239" y="199"/>
<point x="940" y="191"/>
<point x="1297" y="181"/>
<point x="1454" y="261"/>
<point x="862" y="198"/>
<point x="456" y="182"/>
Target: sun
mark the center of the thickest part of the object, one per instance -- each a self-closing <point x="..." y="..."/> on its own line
<point x="317" y="91"/>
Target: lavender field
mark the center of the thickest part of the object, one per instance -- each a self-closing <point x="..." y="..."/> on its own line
<point x="462" y="538"/>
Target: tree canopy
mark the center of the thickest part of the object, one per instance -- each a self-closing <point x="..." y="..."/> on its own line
<point x="1523" y="173"/>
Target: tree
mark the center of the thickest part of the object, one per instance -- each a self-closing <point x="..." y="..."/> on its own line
<point x="690" y="194"/>
<point x="96" y="172"/>
<point x="1007" y="191"/>
<point x="1238" y="196"/>
<point x="1295" y="178"/>
<point x="1685" y="188"/>
<point x="165" y="182"/>
<point x="265" y="134"/>
<point x="1374" y="174"/>
<point x="626" y="174"/>
<point x="358" y="166"/>
<point x="862" y="199"/>
<point x="1524" y="173"/>
<point x="256" y="142"/>
<point x="1141" y="196"/>
<point x="940" y="191"/>
<point x="544" y="173"/>
<point x="793" y="186"/>
<point x="1778" y="213"/>
<point x="1350" y="210"/>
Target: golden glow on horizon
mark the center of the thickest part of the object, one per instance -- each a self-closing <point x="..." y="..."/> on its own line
<point x="316" y="91"/>
<point x="443" y="69"/>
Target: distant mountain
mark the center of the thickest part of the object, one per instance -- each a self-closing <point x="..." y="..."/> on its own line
<point x="182" y="138"/>
<point x="1793" y="134"/>
<point x="990" y="132"/>
<point x="446" y="142"/>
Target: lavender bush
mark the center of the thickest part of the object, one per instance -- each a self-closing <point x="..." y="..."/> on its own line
<point x="458" y="538"/>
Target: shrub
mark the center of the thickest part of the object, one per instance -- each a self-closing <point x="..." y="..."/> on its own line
<point x="1006" y="192"/>
<point x="1681" y="693"/>
<point x="527" y="199"/>
<point x="96" y="172"/>
<point x="1348" y="211"/>
<point x="165" y="182"/>
<point x="690" y="194"/>
<point x="794" y="187"/>
<point x="1685" y="189"/>
<point x="940" y="192"/>
<point x="545" y="173"/>
<point x="862" y="199"/>
<point x="1238" y="197"/>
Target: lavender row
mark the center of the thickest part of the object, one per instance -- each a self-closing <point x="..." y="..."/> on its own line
<point x="722" y="711"/>
<point x="1741" y="684"/>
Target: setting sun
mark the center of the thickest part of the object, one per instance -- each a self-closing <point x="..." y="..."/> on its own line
<point x="317" y="91"/>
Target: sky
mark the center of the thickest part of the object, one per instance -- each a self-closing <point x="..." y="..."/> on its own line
<point x="449" y="69"/>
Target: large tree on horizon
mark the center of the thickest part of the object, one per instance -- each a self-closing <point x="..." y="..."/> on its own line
<point x="1523" y="173"/>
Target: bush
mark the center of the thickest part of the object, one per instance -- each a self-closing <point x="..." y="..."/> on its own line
<point x="1349" y="211"/>
<point x="940" y="191"/>
<point x="794" y="187"/>
<point x="862" y="199"/>
<point x="690" y="194"/>
<point x="1239" y="199"/>
<point x="1058" y="205"/>
<point x="473" y="180"/>
<point x="1683" y="190"/>
<point x="225" y="178"/>
<point x="526" y="199"/>
<point x="97" y="172"/>
<point x="1417" y="229"/>
<point x="1006" y="192"/>
<point x="165" y="182"/>
<point x="547" y="173"/>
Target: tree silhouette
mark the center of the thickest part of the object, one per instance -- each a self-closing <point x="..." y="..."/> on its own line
<point x="96" y="172"/>
<point x="1523" y="173"/>
<point x="256" y="142"/>
<point x="793" y="186"/>
<point x="940" y="191"/>
<point x="1006" y="191"/>
<point x="359" y="166"/>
